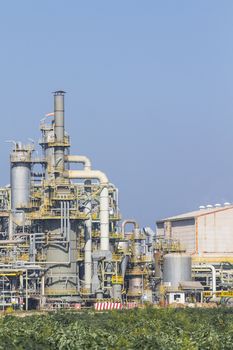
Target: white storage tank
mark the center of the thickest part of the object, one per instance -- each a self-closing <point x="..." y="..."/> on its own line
<point x="177" y="268"/>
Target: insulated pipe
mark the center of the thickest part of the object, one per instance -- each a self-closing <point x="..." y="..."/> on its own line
<point x="129" y="221"/>
<point x="116" y="197"/>
<point x="63" y="228"/>
<point x="88" y="174"/>
<point x="88" y="224"/>
<point x="79" y="159"/>
<point x="88" y="239"/>
<point x="213" y="270"/>
<point x="10" y="226"/>
<point x="11" y="241"/>
<point x="68" y="221"/>
<point x="104" y="203"/>
<point x="62" y="213"/>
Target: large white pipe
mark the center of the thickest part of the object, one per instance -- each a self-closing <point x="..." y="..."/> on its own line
<point x="128" y="221"/>
<point x="208" y="267"/>
<point x="88" y="223"/>
<point x="104" y="201"/>
<point x="79" y="159"/>
<point x="88" y="174"/>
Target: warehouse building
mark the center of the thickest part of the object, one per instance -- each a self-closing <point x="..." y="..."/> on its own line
<point x="206" y="234"/>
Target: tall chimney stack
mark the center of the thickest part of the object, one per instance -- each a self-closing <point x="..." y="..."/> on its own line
<point x="59" y="131"/>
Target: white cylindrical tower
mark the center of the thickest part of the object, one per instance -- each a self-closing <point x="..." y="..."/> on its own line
<point x="20" y="179"/>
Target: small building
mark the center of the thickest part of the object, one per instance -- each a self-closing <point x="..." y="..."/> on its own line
<point x="206" y="234"/>
<point x="187" y="292"/>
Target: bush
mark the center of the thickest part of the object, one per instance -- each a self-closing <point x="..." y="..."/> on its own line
<point x="165" y="329"/>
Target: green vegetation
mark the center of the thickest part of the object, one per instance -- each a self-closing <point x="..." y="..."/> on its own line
<point x="185" y="329"/>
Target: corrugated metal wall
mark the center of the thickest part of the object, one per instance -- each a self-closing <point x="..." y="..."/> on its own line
<point x="184" y="230"/>
<point x="215" y="232"/>
<point x="160" y="229"/>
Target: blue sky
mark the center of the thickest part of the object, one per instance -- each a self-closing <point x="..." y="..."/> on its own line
<point x="149" y="93"/>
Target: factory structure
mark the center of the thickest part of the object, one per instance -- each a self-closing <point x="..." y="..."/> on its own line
<point x="62" y="242"/>
<point x="206" y="234"/>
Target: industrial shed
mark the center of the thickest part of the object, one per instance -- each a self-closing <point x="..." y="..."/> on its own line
<point x="207" y="234"/>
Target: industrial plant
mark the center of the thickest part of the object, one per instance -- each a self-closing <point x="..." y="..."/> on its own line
<point x="63" y="244"/>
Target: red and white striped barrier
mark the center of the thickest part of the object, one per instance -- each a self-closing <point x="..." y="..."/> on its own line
<point x="114" y="306"/>
<point x="108" y="306"/>
<point x="131" y="305"/>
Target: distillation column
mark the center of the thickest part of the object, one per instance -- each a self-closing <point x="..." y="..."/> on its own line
<point x="61" y="251"/>
<point x="20" y="181"/>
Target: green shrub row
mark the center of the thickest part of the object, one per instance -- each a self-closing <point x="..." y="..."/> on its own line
<point x="168" y="329"/>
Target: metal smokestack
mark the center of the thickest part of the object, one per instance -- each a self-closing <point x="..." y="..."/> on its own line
<point x="59" y="131"/>
<point x="59" y="116"/>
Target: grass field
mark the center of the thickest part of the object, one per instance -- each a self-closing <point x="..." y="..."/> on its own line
<point x="135" y="329"/>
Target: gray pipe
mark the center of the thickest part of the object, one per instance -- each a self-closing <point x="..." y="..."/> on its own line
<point x="65" y="222"/>
<point x="11" y="241"/>
<point x="62" y="214"/>
<point x="68" y="222"/>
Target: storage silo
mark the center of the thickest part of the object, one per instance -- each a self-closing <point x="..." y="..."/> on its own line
<point x="177" y="268"/>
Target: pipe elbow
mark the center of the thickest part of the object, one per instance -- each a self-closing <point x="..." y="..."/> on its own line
<point x="79" y="159"/>
<point x="129" y="221"/>
<point x="88" y="174"/>
<point x="102" y="177"/>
